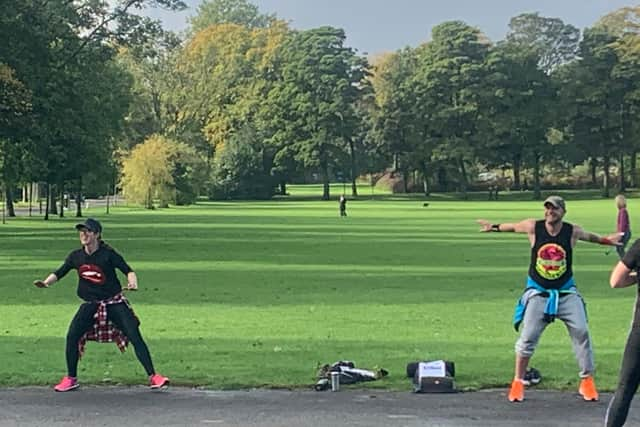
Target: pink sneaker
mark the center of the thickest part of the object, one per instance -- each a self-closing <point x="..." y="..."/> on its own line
<point x="158" y="381"/>
<point x="67" y="384"/>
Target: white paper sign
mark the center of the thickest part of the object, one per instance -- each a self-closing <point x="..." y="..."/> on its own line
<point x="437" y="368"/>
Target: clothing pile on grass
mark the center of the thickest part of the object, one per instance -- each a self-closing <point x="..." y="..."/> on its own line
<point x="349" y="374"/>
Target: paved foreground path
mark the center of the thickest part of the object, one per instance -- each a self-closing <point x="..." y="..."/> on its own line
<point x="138" y="406"/>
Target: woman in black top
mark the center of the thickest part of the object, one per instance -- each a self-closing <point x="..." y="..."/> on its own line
<point x="625" y="274"/>
<point x="99" y="287"/>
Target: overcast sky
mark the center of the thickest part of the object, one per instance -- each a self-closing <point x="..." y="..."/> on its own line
<point x="374" y="26"/>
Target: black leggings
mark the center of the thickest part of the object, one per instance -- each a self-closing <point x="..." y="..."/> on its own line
<point x="122" y="318"/>
<point x="628" y="383"/>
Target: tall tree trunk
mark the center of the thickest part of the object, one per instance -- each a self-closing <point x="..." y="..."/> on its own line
<point x="622" y="187"/>
<point x="11" y="212"/>
<point x="537" y="195"/>
<point x="63" y="202"/>
<point x="30" y="197"/>
<point x="324" y="171"/>
<point x="593" y="164"/>
<point x="149" y="203"/>
<point x="283" y="187"/>
<point x="606" y="184"/>
<point x="47" y="203"/>
<point x="516" y="171"/>
<point x="354" y="168"/>
<point x="53" y="206"/>
<point x="463" y="175"/>
<point x="4" y="204"/>
<point x="633" y="169"/>
<point x="79" y="199"/>
<point x="425" y="178"/>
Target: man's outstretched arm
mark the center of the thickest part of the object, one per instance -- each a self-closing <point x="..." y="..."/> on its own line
<point x="587" y="236"/>
<point x="526" y="226"/>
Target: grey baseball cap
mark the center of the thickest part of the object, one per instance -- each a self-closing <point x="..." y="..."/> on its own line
<point x="556" y="202"/>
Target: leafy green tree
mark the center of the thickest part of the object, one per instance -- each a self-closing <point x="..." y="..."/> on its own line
<point x="222" y="78"/>
<point x="15" y="108"/>
<point x="620" y="22"/>
<point x="516" y="106"/>
<point x="151" y="68"/>
<point x="597" y="100"/>
<point x="450" y="71"/>
<point x="396" y="120"/>
<point x="624" y="24"/>
<point x="554" y="42"/>
<point x="321" y="80"/>
<point x="60" y="50"/>
<point x="240" y="12"/>
<point x="238" y="170"/>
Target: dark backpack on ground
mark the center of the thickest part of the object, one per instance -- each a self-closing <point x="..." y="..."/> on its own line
<point x="436" y="376"/>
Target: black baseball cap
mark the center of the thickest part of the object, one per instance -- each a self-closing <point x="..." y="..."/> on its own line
<point x="91" y="225"/>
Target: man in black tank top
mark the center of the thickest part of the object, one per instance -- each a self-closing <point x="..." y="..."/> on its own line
<point x="550" y="291"/>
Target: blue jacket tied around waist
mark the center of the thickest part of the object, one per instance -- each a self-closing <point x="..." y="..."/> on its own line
<point x="533" y="289"/>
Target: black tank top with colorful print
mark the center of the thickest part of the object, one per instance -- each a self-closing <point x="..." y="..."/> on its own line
<point x="551" y="256"/>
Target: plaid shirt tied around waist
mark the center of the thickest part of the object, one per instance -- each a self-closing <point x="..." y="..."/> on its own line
<point x="103" y="329"/>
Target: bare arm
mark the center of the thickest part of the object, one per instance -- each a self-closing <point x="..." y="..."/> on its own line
<point x="50" y="280"/>
<point x="622" y="276"/>
<point x="525" y="226"/>
<point x="587" y="236"/>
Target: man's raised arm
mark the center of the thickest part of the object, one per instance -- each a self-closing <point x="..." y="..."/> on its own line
<point x="587" y="236"/>
<point x="525" y="226"/>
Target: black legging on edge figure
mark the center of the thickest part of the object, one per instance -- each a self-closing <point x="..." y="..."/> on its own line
<point x="123" y="319"/>
<point x="629" y="380"/>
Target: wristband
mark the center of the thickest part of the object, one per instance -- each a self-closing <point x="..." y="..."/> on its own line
<point x="495" y="227"/>
<point x="605" y="241"/>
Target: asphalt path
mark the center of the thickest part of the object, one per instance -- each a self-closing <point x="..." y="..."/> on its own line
<point x="138" y="406"/>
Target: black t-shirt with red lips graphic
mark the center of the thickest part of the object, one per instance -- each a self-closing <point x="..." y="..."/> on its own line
<point x="97" y="278"/>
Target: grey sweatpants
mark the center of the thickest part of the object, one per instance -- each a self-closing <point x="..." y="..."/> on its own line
<point x="572" y="311"/>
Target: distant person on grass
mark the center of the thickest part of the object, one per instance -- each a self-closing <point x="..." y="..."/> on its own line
<point x="551" y="291"/>
<point x="623" y="225"/>
<point x="624" y="274"/>
<point x="343" y="205"/>
<point x="106" y="315"/>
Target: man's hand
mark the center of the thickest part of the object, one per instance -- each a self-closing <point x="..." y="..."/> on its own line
<point x="485" y="226"/>
<point x="40" y="284"/>
<point x="614" y="239"/>
<point x="131" y="287"/>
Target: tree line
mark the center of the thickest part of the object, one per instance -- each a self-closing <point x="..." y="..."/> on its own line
<point x="95" y="98"/>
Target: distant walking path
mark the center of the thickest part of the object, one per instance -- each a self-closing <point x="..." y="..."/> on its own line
<point x="89" y="205"/>
<point x="138" y="406"/>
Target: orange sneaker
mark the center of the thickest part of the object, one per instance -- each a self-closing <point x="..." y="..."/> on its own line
<point x="588" y="389"/>
<point x="516" y="393"/>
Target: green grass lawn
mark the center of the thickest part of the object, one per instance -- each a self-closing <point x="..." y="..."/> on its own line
<point x="244" y="294"/>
